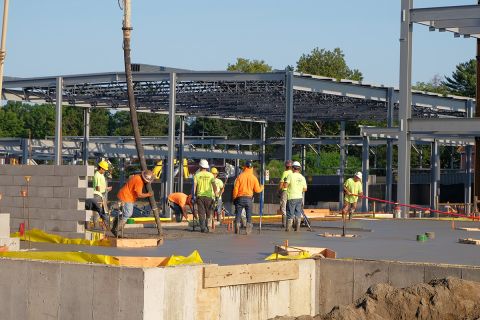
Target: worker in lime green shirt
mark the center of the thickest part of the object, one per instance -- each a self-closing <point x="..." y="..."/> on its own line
<point x="296" y="185"/>
<point x="204" y="190"/>
<point x="352" y="189"/>
<point x="283" y="191"/>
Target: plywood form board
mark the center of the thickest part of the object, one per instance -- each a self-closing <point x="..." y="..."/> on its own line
<point x="143" y="262"/>
<point x="220" y="276"/>
<point x="135" y="243"/>
<point x="314" y="251"/>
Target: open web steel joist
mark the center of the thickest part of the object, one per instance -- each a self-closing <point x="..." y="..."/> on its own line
<point x="254" y="97"/>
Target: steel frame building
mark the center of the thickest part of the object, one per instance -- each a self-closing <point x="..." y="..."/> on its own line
<point x="280" y="96"/>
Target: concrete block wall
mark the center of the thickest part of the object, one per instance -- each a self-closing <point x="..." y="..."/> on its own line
<point x="341" y="282"/>
<point x="56" y="201"/>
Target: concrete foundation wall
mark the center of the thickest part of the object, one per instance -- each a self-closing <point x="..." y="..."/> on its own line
<point x="58" y="290"/>
<point x="56" y="197"/>
<point x="341" y="282"/>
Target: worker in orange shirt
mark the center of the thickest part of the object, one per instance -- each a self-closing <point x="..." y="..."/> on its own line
<point x="178" y="201"/>
<point x="245" y="185"/>
<point x="128" y="194"/>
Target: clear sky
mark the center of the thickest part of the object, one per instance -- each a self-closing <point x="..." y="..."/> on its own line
<point x="52" y="37"/>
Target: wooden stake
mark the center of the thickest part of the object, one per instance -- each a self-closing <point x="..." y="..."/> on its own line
<point x="3" y="50"/>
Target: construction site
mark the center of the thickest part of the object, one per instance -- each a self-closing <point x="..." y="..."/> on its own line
<point x="197" y="227"/>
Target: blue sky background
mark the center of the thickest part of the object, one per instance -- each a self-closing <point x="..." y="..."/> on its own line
<point x="50" y="37"/>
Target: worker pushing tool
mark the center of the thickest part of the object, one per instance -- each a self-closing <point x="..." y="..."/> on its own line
<point x="353" y="190"/>
<point x="179" y="201"/>
<point x="283" y="191"/>
<point x="245" y="186"/>
<point x="218" y="194"/>
<point x="296" y="185"/>
<point x="128" y="195"/>
<point x="204" y="190"/>
<point x="100" y="188"/>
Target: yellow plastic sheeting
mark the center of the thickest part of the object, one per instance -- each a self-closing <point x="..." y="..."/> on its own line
<point x="36" y="235"/>
<point x="79" y="257"/>
<point x="149" y="219"/>
<point x="277" y="256"/>
<point x="194" y="258"/>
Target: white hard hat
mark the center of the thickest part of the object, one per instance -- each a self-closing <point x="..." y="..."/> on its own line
<point x="203" y="164"/>
<point x="296" y="164"/>
<point x="358" y="175"/>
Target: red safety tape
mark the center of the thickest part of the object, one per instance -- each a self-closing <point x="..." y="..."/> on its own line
<point x="420" y="208"/>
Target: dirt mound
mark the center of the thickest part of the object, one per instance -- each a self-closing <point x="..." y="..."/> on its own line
<point x="449" y="298"/>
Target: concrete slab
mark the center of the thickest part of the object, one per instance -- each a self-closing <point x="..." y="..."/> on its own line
<point x="43" y="295"/>
<point x="106" y="293"/>
<point x="14" y="284"/>
<point x="131" y="290"/>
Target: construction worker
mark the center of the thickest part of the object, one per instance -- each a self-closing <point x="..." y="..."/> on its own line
<point x="218" y="194"/>
<point x="97" y="204"/>
<point x="296" y="185"/>
<point x="178" y="201"/>
<point x="128" y="194"/>
<point x="204" y="190"/>
<point x="245" y="185"/>
<point x="352" y="189"/>
<point x="283" y="190"/>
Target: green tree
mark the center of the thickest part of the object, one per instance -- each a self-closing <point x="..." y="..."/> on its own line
<point x="99" y="120"/>
<point x="40" y="119"/>
<point x="327" y="63"/>
<point x="463" y="81"/>
<point x="249" y="66"/>
<point x="435" y="85"/>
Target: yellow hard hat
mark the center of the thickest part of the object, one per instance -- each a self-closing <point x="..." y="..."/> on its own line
<point x="103" y="164"/>
<point x="214" y="170"/>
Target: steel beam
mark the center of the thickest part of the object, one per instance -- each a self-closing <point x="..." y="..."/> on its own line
<point x="288" y="115"/>
<point x="58" y="120"/>
<point x="420" y="15"/>
<point x="365" y="172"/>
<point x="454" y="127"/>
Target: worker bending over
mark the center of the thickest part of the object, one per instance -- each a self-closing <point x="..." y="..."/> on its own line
<point x="98" y="203"/>
<point x="245" y="186"/>
<point x="283" y="191"/>
<point x="218" y="194"/>
<point x="352" y="189"/>
<point x="296" y="185"/>
<point x="178" y="201"/>
<point x="128" y="194"/>
<point x="204" y="190"/>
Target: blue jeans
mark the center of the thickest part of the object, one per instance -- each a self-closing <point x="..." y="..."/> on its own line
<point x="127" y="210"/>
<point x="219" y="205"/>
<point x="294" y="208"/>
<point x="243" y="203"/>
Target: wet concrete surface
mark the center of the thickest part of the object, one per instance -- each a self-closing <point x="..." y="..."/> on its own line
<point x="378" y="240"/>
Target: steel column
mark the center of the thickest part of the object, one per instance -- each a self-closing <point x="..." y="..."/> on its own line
<point x="86" y="134"/>
<point x="25" y="148"/>
<point x="476" y="171"/>
<point x="365" y="171"/>
<point x="181" y="144"/>
<point x="288" y="115"/>
<point x="303" y="157"/>
<point x="263" y="133"/>
<point x="435" y="175"/>
<point x="405" y="106"/>
<point x="341" y="170"/>
<point x="389" y="162"/>
<point x="468" y="165"/>
<point x="58" y="121"/>
<point x="171" y="137"/>
<point x="121" y="168"/>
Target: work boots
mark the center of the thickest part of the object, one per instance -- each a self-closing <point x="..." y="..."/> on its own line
<point x="289" y="225"/>
<point x="296" y="224"/>
<point x="114" y="226"/>
<point x="236" y="227"/>
<point x="284" y="219"/>
<point x="249" y="228"/>
<point x="203" y="226"/>
<point x="350" y="214"/>
<point x="118" y="226"/>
